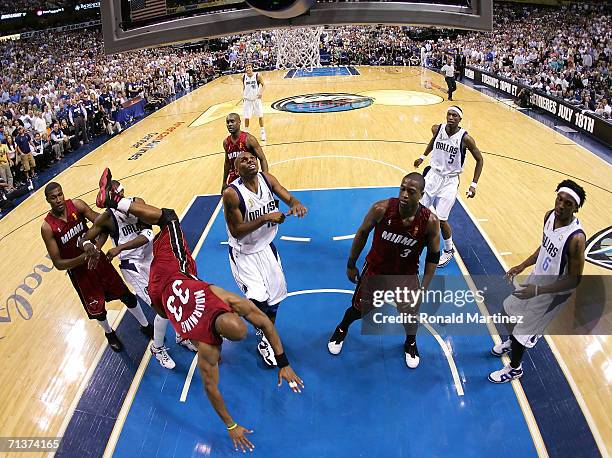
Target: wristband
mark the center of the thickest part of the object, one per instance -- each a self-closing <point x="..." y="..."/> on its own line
<point x="85" y="242"/>
<point x="474" y="185"/>
<point x="234" y="426"/>
<point x="422" y="157"/>
<point x="282" y="361"/>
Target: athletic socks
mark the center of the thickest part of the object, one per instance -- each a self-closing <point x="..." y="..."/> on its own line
<point x="350" y="316"/>
<point x="159" y="331"/>
<point x="106" y="326"/>
<point x="448" y="243"/>
<point x="517" y="350"/>
<point x="139" y="315"/>
<point x="124" y="205"/>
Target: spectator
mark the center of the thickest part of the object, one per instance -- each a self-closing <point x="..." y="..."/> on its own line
<point x="5" y="166"/>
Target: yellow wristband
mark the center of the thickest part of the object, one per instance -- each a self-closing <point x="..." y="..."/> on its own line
<point x="234" y="426"/>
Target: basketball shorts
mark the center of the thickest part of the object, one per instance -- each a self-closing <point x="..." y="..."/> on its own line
<point x="259" y="275"/>
<point x="96" y="287"/>
<point x="534" y="315"/>
<point x="136" y="274"/>
<point x="252" y="108"/>
<point x="440" y="193"/>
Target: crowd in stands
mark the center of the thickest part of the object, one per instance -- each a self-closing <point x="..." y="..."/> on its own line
<point x="58" y="90"/>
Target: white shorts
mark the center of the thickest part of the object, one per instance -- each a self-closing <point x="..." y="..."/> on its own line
<point x="535" y="314"/>
<point x="440" y="193"/>
<point x="259" y="275"/>
<point x="136" y="274"/>
<point x="252" y="108"/>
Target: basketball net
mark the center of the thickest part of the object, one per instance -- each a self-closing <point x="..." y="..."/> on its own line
<point x="298" y="47"/>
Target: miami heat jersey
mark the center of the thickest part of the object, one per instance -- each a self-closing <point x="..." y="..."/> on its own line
<point x="252" y="206"/>
<point x="448" y="154"/>
<point x="66" y="233"/>
<point x="396" y="248"/>
<point x="128" y="227"/>
<point x="232" y="150"/>
<point x="251" y="87"/>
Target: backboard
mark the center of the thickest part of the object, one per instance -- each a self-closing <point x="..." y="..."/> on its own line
<point x="135" y="24"/>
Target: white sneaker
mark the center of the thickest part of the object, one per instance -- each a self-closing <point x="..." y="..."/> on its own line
<point x="446" y="257"/>
<point x="412" y="355"/>
<point x="502" y="348"/>
<point x="30" y="185"/>
<point x="265" y="350"/>
<point x="336" y="341"/>
<point x="263" y="135"/>
<point x="162" y="356"/>
<point x="506" y="374"/>
<point x="186" y="343"/>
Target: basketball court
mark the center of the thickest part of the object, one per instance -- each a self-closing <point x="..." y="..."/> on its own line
<point x="340" y="141"/>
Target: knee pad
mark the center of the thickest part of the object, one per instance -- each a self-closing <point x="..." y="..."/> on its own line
<point x="168" y="215"/>
<point x="130" y="300"/>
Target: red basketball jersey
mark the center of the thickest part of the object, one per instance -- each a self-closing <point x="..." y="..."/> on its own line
<point x="66" y="233"/>
<point x="232" y="150"/>
<point x="396" y="248"/>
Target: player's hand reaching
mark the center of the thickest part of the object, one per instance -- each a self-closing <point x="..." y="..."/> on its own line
<point x="295" y="383"/>
<point x="298" y="210"/>
<point x="471" y="193"/>
<point x="238" y="435"/>
<point x="112" y="253"/>
<point x="92" y="256"/>
<point x="353" y="274"/>
<point x="527" y="292"/>
<point x="275" y="217"/>
<point x="513" y="272"/>
<point x="418" y="162"/>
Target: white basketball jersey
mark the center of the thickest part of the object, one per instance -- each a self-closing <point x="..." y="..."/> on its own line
<point x="448" y="153"/>
<point x="552" y="258"/>
<point x="128" y="227"/>
<point x="251" y="87"/>
<point x="252" y="206"/>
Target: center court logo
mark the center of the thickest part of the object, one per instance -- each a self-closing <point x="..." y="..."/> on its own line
<point x="599" y="249"/>
<point x="322" y="103"/>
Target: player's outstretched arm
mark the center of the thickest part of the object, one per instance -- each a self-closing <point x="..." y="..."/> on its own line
<point x="58" y="262"/>
<point x="254" y="146"/>
<point x="226" y="169"/>
<point x="295" y="206"/>
<point x="235" y="222"/>
<point x="433" y="249"/>
<point x="85" y="210"/>
<point x="208" y="365"/>
<point x="374" y="215"/>
<point x="471" y="145"/>
<point x="257" y="318"/>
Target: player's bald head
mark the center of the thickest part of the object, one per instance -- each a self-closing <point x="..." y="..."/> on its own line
<point x="417" y="178"/>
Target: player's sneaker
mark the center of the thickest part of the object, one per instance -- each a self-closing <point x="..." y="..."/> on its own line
<point x="113" y="341"/>
<point x="336" y="341"/>
<point x="502" y="348"/>
<point x="106" y="197"/>
<point x="162" y="356"/>
<point x="506" y="374"/>
<point x="412" y="355"/>
<point x="147" y="330"/>
<point x="447" y="256"/>
<point x="186" y="343"/>
<point x="263" y="135"/>
<point x="265" y="350"/>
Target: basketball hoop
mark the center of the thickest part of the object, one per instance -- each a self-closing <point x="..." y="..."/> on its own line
<point x="298" y="47"/>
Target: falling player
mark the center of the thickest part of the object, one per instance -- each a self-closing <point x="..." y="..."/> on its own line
<point x="237" y="142"/>
<point x="448" y="146"/>
<point x="252" y="90"/>
<point x="252" y="217"/>
<point x="402" y="228"/>
<point x="197" y="310"/>
<point x="132" y="244"/>
<point x="63" y="226"/>
<point x="559" y="262"/>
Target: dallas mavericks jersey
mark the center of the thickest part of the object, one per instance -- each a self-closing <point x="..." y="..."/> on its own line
<point x="128" y="227"/>
<point x="448" y="153"/>
<point x="251" y="87"/>
<point x="552" y="258"/>
<point x="252" y="206"/>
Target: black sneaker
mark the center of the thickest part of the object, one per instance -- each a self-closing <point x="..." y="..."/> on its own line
<point x="113" y="341"/>
<point x="412" y="355"/>
<point x="336" y="341"/>
<point x="147" y="330"/>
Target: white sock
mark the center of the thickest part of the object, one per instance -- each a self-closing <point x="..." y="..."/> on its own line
<point x="104" y="325"/>
<point x="159" y="330"/>
<point x="263" y="131"/>
<point x="124" y="205"/>
<point x="139" y="315"/>
<point x="448" y="243"/>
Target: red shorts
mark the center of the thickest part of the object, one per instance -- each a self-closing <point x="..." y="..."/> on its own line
<point x="96" y="287"/>
<point x="232" y="175"/>
<point x="371" y="279"/>
<point x="171" y="257"/>
<point x="192" y="308"/>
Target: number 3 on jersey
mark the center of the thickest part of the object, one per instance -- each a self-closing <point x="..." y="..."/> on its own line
<point x="183" y="296"/>
<point x="406" y="252"/>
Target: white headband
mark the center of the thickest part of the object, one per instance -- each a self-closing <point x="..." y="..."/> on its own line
<point x="456" y="110"/>
<point x="572" y="193"/>
<point x="119" y="188"/>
